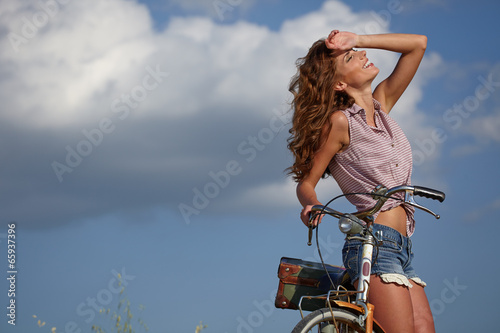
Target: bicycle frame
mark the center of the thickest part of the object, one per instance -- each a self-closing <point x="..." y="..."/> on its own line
<point x="365" y="269"/>
<point x="364" y="282"/>
<point x="363" y="308"/>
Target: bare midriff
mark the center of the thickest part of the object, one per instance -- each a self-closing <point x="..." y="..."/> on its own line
<point x="394" y="218"/>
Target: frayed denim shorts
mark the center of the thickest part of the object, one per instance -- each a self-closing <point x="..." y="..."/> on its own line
<point x="392" y="260"/>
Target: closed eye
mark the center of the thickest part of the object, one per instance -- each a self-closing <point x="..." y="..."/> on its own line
<point x="348" y="55"/>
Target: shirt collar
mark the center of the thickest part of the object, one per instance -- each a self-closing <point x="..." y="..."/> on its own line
<point x="355" y="108"/>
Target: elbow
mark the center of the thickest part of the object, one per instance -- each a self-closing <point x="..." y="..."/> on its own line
<point x="299" y="190"/>
<point x="422" y="42"/>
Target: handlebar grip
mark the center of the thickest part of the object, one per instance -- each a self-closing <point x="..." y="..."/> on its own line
<point x="429" y="193"/>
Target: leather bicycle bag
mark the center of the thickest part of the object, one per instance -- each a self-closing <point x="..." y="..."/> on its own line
<point x="299" y="278"/>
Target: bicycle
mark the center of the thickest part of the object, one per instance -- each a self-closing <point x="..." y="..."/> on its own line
<point x="340" y="313"/>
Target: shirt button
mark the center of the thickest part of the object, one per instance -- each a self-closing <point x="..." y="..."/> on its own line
<point x="392" y="145"/>
<point x="397" y="164"/>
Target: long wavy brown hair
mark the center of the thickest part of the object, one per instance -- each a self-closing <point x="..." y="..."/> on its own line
<point x="314" y="100"/>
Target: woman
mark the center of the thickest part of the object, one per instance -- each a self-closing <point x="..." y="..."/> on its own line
<point x="342" y="127"/>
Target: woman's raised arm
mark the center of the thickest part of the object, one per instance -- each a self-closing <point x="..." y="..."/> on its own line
<point x="412" y="49"/>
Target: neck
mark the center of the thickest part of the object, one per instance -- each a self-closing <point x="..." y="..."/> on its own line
<point x="365" y="100"/>
<point x="363" y="96"/>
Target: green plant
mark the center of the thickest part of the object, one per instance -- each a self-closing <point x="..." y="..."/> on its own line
<point x="200" y="327"/>
<point x="122" y="320"/>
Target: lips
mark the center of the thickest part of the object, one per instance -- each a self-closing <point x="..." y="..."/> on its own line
<point x="367" y="64"/>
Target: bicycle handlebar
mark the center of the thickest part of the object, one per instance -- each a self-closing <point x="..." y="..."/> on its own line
<point x="383" y="194"/>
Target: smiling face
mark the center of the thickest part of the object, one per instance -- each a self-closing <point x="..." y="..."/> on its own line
<point x="354" y="70"/>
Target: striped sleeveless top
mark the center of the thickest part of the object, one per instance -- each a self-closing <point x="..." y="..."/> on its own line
<point x="378" y="155"/>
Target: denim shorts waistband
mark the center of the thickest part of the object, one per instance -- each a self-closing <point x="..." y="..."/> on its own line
<point x="388" y="232"/>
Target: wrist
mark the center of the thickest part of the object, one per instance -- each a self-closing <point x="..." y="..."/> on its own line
<point x="363" y="41"/>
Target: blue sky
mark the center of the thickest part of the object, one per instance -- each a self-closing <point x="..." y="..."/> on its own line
<point x="117" y="114"/>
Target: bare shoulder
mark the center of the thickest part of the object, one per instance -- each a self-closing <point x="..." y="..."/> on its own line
<point x="339" y="121"/>
<point x="334" y="138"/>
<point x="339" y="130"/>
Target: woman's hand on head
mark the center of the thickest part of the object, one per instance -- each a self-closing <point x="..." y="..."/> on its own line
<point x="341" y="40"/>
<point x="305" y="216"/>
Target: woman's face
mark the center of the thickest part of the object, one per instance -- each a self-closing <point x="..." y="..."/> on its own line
<point x="354" y="68"/>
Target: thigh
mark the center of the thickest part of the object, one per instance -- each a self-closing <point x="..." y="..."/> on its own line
<point x="422" y="314"/>
<point x="393" y="305"/>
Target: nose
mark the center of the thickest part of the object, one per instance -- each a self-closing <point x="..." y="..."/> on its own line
<point x="363" y="54"/>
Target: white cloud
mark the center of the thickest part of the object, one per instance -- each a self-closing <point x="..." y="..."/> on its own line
<point x="478" y="115"/>
<point x="76" y="61"/>
<point x="269" y="196"/>
<point x="89" y="54"/>
<point x="480" y="215"/>
<point x="485" y="129"/>
<point x="282" y="195"/>
<point x="85" y="56"/>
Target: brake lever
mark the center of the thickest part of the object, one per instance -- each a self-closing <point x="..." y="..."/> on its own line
<point x="410" y="199"/>
<point x="312" y="216"/>
<point x="311" y="228"/>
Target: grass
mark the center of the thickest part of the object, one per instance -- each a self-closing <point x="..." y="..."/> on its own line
<point x="120" y="320"/>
